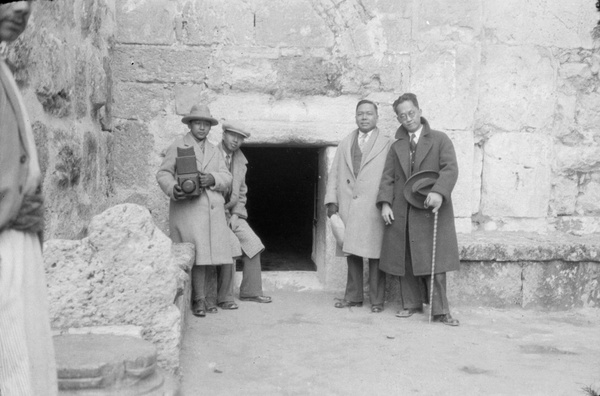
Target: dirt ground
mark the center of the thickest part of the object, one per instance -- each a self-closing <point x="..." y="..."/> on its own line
<point x="301" y="345"/>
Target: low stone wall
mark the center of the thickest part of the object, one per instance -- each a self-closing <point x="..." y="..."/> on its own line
<point x="125" y="272"/>
<point x="553" y="271"/>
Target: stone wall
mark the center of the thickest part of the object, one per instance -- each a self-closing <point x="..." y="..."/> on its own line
<point x="62" y="63"/>
<point x="513" y="83"/>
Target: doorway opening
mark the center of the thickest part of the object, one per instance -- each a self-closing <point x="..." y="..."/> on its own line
<point x="282" y="204"/>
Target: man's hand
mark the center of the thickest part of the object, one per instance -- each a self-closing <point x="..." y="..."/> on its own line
<point x="206" y="180"/>
<point x="331" y="209"/>
<point x="434" y="200"/>
<point x="387" y="213"/>
<point x="233" y="221"/>
<point x="178" y="193"/>
<point x="31" y="214"/>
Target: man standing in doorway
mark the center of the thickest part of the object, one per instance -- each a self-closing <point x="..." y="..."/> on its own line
<point x="234" y="135"/>
<point x="408" y="238"/>
<point x="352" y="191"/>
<point x="27" y="365"/>
<point x="201" y="219"/>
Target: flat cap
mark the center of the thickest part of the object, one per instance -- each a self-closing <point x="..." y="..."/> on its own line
<point x="236" y="127"/>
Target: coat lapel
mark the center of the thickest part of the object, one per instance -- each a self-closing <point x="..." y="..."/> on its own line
<point x="423" y="146"/>
<point x="374" y="146"/>
<point x="402" y="148"/>
<point x="348" y="151"/>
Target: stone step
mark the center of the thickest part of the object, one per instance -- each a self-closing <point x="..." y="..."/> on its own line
<point x="104" y="364"/>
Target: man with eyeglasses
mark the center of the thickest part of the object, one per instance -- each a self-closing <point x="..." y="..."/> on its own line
<point x="408" y="238"/>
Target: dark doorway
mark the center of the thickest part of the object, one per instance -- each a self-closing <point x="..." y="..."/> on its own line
<point x="282" y="184"/>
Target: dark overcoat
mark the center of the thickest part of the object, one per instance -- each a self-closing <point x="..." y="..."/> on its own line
<point x="435" y="152"/>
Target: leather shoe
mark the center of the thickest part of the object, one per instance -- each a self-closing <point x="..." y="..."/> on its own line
<point x="228" y="305"/>
<point x="199" y="308"/>
<point x="446" y="319"/>
<point x="407" y="313"/>
<point x="258" y="299"/>
<point x="345" y="303"/>
<point x="376" y="308"/>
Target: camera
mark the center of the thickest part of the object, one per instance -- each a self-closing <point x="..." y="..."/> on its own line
<point x="188" y="176"/>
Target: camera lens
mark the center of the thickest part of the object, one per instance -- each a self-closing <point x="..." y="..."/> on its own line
<point x="188" y="186"/>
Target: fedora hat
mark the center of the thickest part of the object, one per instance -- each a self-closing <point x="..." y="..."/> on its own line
<point x="338" y="228"/>
<point x="236" y="127"/>
<point x="418" y="186"/>
<point x="199" y="112"/>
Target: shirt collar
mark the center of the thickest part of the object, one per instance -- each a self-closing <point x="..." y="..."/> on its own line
<point x="417" y="133"/>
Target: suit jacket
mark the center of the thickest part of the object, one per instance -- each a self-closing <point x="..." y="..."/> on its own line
<point x="356" y="195"/>
<point x="239" y="189"/>
<point x="200" y="220"/>
<point x="434" y="152"/>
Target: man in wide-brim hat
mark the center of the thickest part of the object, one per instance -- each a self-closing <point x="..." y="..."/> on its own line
<point x="201" y="220"/>
<point x="418" y="178"/>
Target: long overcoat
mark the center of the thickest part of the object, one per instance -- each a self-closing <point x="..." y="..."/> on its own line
<point x="435" y="152"/>
<point x="200" y="220"/>
<point x="237" y="194"/>
<point x="356" y="195"/>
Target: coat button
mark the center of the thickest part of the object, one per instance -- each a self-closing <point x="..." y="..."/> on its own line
<point x="23" y="159"/>
<point x="348" y="181"/>
<point x="356" y="196"/>
<point x="212" y="206"/>
<point x="20" y="189"/>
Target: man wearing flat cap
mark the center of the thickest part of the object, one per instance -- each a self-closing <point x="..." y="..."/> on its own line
<point x="200" y="219"/>
<point x="234" y="135"/>
<point x="419" y="176"/>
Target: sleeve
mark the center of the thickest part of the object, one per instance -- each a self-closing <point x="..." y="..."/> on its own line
<point x="388" y="179"/>
<point x="240" y="206"/>
<point x="222" y="175"/>
<point x="331" y="193"/>
<point x="448" y="168"/>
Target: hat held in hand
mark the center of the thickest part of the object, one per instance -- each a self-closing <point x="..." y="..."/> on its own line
<point x="338" y="228"/>
<point x="418" y="186"/>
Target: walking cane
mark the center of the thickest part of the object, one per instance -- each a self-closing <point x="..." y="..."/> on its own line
<point x="435" y="219"/>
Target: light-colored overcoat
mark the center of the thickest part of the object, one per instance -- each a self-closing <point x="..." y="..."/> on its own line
<point x="250" y="242"/>
<point x="356" y="195"/>
<point x="200" y="220"/>
<point x="435" y="152"/>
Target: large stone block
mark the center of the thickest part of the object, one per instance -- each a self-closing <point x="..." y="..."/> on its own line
<point x="588" y="202"/>
<point x="517" y="87"/>
<point x="565" y="24"/>
<point x="316" y="120"/>
<point x="140" y="101"/>
<point x="485" y="283"/>
<point x="160" y="64"/>
<point x="131" y="152"/>
<point x="146" y="22"/>
<point x="216" y="22"/>
<point x="124" y="273"/>
<point x="440" y="20"/>
<point x="564" y="195"/>
<point x="286" y="23"/>
<point x="462" y="193"/>
<point x="577" y="158"/>
<point x="559" y="286"/>
<point x="444" y="79"/>
<point x="304" y="76"/>
<point x="516" y="175"/>
<point x="243" y="69"/>
<point x="588" y="112"/>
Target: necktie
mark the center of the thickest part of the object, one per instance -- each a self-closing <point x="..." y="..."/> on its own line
<point x="362" y="139"/>
<point x="228" y="160"/>
<point x="413" y="149"/>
